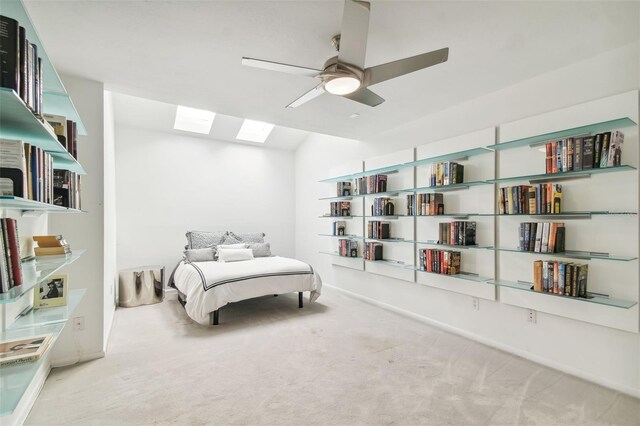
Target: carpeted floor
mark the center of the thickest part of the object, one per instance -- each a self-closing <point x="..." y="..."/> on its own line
<point x="338" y="361"/>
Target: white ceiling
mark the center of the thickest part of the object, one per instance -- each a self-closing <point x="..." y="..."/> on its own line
<point x="188" y="52"/>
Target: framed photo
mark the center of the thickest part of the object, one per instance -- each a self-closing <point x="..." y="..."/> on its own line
<point x="51" y="292"/>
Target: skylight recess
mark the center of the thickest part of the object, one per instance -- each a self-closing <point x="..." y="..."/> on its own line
<point x="254" y="131"/>
<point x="193" y="120"/>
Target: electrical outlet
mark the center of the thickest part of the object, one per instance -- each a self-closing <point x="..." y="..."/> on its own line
<point x="476" y="303"/>
<point x="531" y="316"/>
<point x="78" y="323"/>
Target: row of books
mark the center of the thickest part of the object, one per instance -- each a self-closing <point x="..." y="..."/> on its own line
<point x="370" y="184"/>
<point x="343" y="189"/>
<point x="339" y="227"/>
<point x="582" y="153"/>
<point x="541" y="237"/>
<point x="25" y="171"/>
<point x="10" y="255"/>
<point x="20" y="65"/>
<point x="544" y="198"/>
<point x="347" y="248"/>
<point x="425" y="204"/>
<point x="568" y="279"/>
<point x="382" y="206"/>
<point x="340" y="208"/>
<point x="445" y="173"/>
<point x="446" y="262"/>
<point x="378" y="230"/>
<point x="66" y="132"/>
<point x="458" y="233"/>
<point x="67" y="189"/>
<point x="372" y="251"/>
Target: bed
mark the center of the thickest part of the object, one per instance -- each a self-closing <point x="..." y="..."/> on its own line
<point x="205" y="286"/>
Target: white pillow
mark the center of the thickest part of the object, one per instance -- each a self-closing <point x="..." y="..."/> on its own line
<point x="234" y="255"/>
<point x="232" y="246"/>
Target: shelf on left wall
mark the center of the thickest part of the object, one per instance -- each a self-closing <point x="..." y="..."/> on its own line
<point x="18" y="203"/>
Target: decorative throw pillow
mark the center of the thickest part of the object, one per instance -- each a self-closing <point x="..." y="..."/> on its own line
<point x="248" y="237"/>
<point x="202" y="239"/>
<point x="234" y="255"/>
<point x="200" y="255"/>
<point x="233" y="246"/>
<point x="230" y="239"/>
<point x="260" y="249"/>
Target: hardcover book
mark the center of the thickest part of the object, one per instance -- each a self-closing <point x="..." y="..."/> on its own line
<point x="587" y="152"/>
<point x="604" y="154"/>
<point x="615" y="149"/>
<point x="21" y="351"/>
<point x="577" y="154"/>
<point x="9" y="54"/>
<point x="597" y="150"/>
<point x="13" y="168"/>
<point x="537" y="275"/>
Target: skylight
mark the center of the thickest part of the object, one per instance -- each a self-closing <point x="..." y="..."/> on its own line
<point x="194" y="120"/>
<point x="254" y="131"/>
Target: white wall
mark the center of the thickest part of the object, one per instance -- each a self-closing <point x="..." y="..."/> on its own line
<point x="110" y="268"/>
<point x="86" y="230"/>
<point x="601" y="354"/>
<point x="169" y="183"/>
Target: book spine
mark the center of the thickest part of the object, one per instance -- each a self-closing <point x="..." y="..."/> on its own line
<point x="577" y="154"/>
<point x="14" y="249"/>
<point x="9" y="53"/>
<point x="538" y="244"/>
<point x="604" y="155"/>
<point x="537" y="275"/>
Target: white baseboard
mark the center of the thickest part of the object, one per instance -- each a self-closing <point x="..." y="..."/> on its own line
<point x="498" y="345"/>
<point x="65" y="362"/>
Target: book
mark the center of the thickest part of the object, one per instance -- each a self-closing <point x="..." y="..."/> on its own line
<point x="560" y="234"/>
<point x="545" y="275"/>
<point x="583" y="271"/>
<point x="24" y="350"/>
<point x="568" y="279"/>
<point x="577" y="154"/>
<point x="51" y="251"/>
<point x="562" y="267"/>
<point x="544" y="245"/>
<point x="538" y="243"/>
<point x="537" y="275"/>
<point x="556" y="272"/>
<point x="532" y="237"/>
<point x="14" y="250"/>
<point x="5" y="282"/>
<point x="587" y="152"/>
<point x="9" y="53"/>
<point x="597" y="151"/>
<point x="532" y="199"/>
<point x="13" y="168"/>
<point x="615" y="149"/>
<point x="557" y="198"/>
<point x="549" y="158"/>
<point x="604" y="154"/>
<point x="4" y="233"/>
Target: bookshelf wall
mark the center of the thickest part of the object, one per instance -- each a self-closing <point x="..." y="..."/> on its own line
<point x="601" y="230"/>
<point x="20" y="384"/>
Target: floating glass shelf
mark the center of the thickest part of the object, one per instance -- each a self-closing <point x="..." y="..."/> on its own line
<point x="552" y="177"/>
<point x="570" y="254"/>
<point x="435" y="243"/>
<point x="335" y="253"/>
<point x="603" y="126"/>
<point x="392" y="263"/>
<point x="454" y="215"/>
<point x="388" y="217"/>
<point x="454" y="156"/>
<point x="452" y="187"/>
<point x="575" y="215"/>
<point x="593" y="298"/>
<point x="346" y="237"/>
<point x="45" y="316"/>
<point x="18" y="203"/>
<point x="339" y="217"/>
<point x="337" y="198"/>
<point x="387" y="240"/>
<point x="36" y="271"/>
<point x="15" y="379"/>
<point x="462" y="275"/>
<point x="348" y="177"/>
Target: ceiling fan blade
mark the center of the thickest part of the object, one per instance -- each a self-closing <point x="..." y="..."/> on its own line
<point x="365" y="96"/>
<point x="311" y="94"/>
<point x="276" y="66"/>
<point x="354" y="32"/>
<point x="380" y="73"/>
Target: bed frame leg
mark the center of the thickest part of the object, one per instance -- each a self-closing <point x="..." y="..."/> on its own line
<point x="300" y="304"/>
<point x="214" y="317"/>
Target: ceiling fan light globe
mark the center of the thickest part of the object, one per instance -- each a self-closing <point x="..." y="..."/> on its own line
<point x="342" y="85"/>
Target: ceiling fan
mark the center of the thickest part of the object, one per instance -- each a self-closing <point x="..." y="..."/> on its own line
<point x="345" y="75"/>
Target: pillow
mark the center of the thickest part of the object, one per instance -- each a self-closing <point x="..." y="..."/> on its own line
<point x="250" y="237"/>
<point x="200" y="255"/>
<point x="231" y="240"/>
<point x="202" y="239"/>
<point x="233" y="246"/>
<point x="234" y="255"/>
<point x="260" y="249"/>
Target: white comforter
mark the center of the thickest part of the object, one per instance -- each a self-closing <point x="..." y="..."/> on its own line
<point x="211" y="285"/>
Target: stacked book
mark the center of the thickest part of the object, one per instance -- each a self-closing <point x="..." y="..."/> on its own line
<point x="347" y="248"/>
<point x="425" y="204"/>
<point x="50" y="245"/>
<point x="373" y="251"/>
<point x="10" y="255"/>
<point x="543" y="237"/>
<point x="458" y="233"/>
<point x="382" y="206"/>
<point x="370" y="184"/>
<point x="340" y="208"/>
<point x="339" y="227"/>
<point x="378" y="230"/>
<point x="583" y="153"/>
<point x="24" y="350"/>
<point x="25" y="171"/>
<point x="445" y="262"/>
<point x="544" y="198"/>
<point x="445" y="173"/>
<point x="343" y="189"/>
<point x="567" y="279"/>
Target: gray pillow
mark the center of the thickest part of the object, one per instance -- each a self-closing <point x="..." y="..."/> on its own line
<point x="230" y="239"/>
<point x="202" y="239"/>
<point x="260" y="249"/>
<point x="200" y="255"/>
<point x="249" y="237"/>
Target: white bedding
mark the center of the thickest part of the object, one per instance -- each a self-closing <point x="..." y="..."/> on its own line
<point x="211" y="285"/>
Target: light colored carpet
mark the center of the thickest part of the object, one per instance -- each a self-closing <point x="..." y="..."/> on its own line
<point x="339" y="361"/>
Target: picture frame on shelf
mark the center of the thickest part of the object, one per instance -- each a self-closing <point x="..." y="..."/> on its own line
<point x="51" y="292"/>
